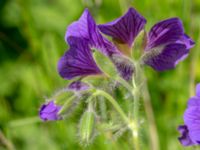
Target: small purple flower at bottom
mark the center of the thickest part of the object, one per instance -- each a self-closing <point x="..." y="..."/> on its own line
<point x="50" y="111"/>
<point x="190" y="132"/>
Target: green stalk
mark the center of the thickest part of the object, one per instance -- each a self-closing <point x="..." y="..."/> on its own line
<point x="135" y="112"/>
<point x="114" y="104"/>
<point x="133" y="125"/>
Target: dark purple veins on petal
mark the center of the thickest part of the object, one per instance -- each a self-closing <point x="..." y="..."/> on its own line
<point x="167" y="57"/>
<point x="165" y="32"/>
<point x="167" y="45"/>
<point x="77" y="61"/>
<point x="86" y="28"/>
<point x="125" y="28"/>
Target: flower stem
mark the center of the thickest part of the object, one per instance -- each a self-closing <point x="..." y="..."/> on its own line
<point x="114" y="103"/>
<point x="133" y="125"/>
<point x="135" y="131"/>
<point x="134" y="110"/>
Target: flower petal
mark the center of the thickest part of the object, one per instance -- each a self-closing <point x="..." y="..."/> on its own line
<point x="125" y="28"/>
<point x="194" y="101"/>
<point x="192" y="119"/>
<point x="167" y="57"/>
<point x="195" y="134"/>
<point x="198" y="90"/>
<point x="184" y="138"/>
<point x="192" y="116"/>
<point x="77" y="61"/>
<point x="185" y="39"/>
<point x="86" y="28"/>
<point x="50" y="111"/>
<point x="165" y="32"/>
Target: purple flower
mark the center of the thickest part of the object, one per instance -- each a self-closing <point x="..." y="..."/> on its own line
<point x="50" y="111"/>
<point x="190" y="132"/>
<point x="78" y="61"/>
<point x="167" y="45"/>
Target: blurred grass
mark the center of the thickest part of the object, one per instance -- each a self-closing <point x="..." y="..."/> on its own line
<point x="31" y="42"/>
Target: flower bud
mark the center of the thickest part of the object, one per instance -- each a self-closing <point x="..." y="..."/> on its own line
<point x="86" y="127"/>
<point x="50" y="111"/>
<point x="105" y="64"/>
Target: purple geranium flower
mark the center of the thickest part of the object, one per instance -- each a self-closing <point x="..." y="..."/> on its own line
<point x="50" y="111"/>
<point x="167" y="44"/>
<point x="85" y="29"/>
<point x="190" y="132"/>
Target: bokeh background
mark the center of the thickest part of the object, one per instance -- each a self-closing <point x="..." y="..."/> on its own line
<point x="31" y="42"/>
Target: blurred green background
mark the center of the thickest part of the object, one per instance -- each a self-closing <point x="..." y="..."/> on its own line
<point x="31" y="42"/>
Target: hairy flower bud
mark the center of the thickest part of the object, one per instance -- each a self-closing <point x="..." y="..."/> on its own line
<point x="86" y="127"/>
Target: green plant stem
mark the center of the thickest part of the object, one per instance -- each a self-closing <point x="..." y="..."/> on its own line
<point x="23" y="122"/>
<point x="134" y="89"/>
<point x="134" y="111"/>
<point x="133" y="125"/>
<point x="67" y="104"/>
<point x="114" y="104"/>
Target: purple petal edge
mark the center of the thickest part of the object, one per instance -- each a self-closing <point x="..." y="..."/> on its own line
<point x="125" y="28"/>
<point x="86" y="28"/>
<point x="198" y="89"/>
<point x="77" y="61"/>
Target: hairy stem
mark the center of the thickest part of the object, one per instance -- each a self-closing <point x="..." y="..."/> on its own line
<point x="114" y="104"/>
<point x="133" y="125"/>
<point x="136" y="95"/>
<point x="134" y="110"/>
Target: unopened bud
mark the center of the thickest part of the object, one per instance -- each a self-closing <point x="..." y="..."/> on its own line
<point x="86" y="128"/>
<point x="105" y="64"/>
